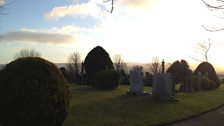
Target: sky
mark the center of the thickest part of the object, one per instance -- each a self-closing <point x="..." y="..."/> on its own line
<point x="137" y="29"/>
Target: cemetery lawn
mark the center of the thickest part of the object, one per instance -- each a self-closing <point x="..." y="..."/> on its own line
<point x="90" y="107"/>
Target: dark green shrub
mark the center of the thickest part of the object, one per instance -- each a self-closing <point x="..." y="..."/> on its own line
<point x="206" y="84"/>
<point x="195" y="81"/>
<point x="106" y="80"/>
<point x="124" y="78"/>
<point x="97" y="60"/>
<point x="179" y="71"/>
<point x="222" y="81"/>
<point x="33" y="92"/>
<point x="148" y="80"/>
<point x="206" y="69"/>
<point x="64" y="72"/>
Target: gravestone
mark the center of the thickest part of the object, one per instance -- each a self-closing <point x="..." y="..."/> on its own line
<point x="163" y="87"/>
<point x="188" y="84"/>
<point x="136" y="82"/>
<point x="199" y="78"/>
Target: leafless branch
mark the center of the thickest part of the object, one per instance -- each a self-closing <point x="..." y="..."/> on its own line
<point x="196" y="59"/>
<point x="212" y="29"/>
<point x="215" y="7"/>
<point x="112" y="5"/>
<point x="219" y="5"/>
<point x="202" y="49"/>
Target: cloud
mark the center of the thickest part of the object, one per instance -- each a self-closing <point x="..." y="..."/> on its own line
<point x="82" y="10"/>
<point x="56" y="35"/>
<point x="68" y="29"/>
<point x="2" y="2"/>
<point x="136" y="3"/>
<point x="95" y="8"/>
<point x="37" y="37"/>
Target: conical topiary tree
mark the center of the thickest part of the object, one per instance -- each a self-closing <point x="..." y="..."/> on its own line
<point x="97" y="60"/>
<point x="208" y="70"/>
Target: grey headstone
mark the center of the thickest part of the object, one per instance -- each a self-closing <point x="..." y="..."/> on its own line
<point x="163" y="87"/>
<point x="188" y="84"/>
<point x="136" y="81"/>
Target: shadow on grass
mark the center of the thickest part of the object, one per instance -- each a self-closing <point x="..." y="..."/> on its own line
<point x="84" y="88"/>
<point x="119" y="110"/>
<point x="109" y="108"/>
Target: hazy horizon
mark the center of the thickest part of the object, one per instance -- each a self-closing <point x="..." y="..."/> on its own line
<point x="219" y="69"/>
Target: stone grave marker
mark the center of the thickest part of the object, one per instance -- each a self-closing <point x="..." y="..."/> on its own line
<point x="188" y="83"/>
<point x="199" y="78"/>
<point x="163" y="87"/>
<point x="136" y="81"/>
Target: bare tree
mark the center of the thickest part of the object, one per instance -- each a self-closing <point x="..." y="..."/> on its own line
<point x="74" y="62"/>
<point x="202" y="49"/>
<point x="119" y="63"/>
<point x="216" y="5"/>
<point x="27" y="53"/>
<point x="154" y="66"/>
<point x="73" y="66"/>
<point x="121" y="67"/>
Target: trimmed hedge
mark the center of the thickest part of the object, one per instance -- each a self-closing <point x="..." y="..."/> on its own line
<point x="106" y="80"/>
<point x="206" y="84"/>
<point x="33" y="92"/>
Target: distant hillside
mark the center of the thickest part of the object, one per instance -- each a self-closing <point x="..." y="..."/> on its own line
<point x="61" y="64"/>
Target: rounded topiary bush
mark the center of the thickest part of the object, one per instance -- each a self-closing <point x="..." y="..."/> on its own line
<point x="206" y="69"/>
<point x="106" y="80"/>
<point x="33" y="92"/>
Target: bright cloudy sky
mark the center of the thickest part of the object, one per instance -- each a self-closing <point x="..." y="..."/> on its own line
<point x="137" y="29"/>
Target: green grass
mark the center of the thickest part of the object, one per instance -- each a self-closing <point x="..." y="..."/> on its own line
<point x="90" y="107"/>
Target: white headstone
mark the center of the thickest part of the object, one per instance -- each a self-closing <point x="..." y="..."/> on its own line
<point x="136" y="81"/>
<point x="163" y="87"/>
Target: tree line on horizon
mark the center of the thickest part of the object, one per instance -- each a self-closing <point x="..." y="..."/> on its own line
<point x="75" y="70"/>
